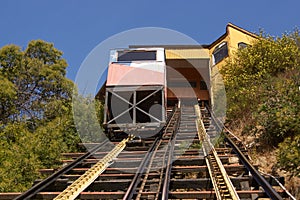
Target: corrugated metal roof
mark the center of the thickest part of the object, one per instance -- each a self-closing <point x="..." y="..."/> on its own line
<point x="186" y="53"/>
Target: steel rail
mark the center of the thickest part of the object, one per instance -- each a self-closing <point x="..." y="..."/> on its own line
<point x="280" y="185"/>
<point x="166" y="183"/>
<point x="163" y="187"/>
<point x="147" y="172"/>
<point x="221" y="182"/>
<point x="90" y="176"/>
<point x="49" y="180"/>
<point x="137" y="177"/>
<point x="164" y="178"/>
<point x="270" y="191"/>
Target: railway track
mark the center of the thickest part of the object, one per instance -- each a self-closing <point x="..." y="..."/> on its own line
<point x="222" y="184"/>
<point x="180" y="163"/>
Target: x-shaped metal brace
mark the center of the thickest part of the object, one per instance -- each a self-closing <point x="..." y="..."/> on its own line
<point x="133" y="105"/>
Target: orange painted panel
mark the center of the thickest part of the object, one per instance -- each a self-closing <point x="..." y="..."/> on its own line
<point x="127" y="75"/>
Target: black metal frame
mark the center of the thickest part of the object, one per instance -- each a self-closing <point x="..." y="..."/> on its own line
<point x="134" y="106"/>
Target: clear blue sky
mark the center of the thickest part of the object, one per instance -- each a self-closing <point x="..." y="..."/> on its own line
<point x="76" y="27"/>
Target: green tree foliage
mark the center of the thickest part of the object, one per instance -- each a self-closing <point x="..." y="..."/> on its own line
<point x="7" y="97"/>
<point x="252" y="67"/>
<point x="88" y="115"/>
<point x="279" y="112"/>
<point x="18" y="162"/>
<point x="36" y="118"/>
<point x="262" y="84"/>
<point x="289" y="155"/>
<point x="38" y="77"/>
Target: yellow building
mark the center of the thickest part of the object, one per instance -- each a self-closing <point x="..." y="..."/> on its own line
<point x="225" y="46"/>
<point x="220" y="50"/>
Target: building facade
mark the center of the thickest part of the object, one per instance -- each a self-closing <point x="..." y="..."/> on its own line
<point x="197" y="66"/>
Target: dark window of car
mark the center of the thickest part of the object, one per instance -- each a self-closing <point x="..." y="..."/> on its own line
<point x="128" y="56"/>
<point x="220" y="52"/>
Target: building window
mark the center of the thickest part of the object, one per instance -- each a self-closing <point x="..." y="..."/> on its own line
<point x="128" y="56"/>
<point x="203" y="85"/>
<point x="220" y="52"/>
<point x="242" y="45"/>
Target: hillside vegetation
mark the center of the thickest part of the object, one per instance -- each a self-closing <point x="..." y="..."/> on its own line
<point x="263" y="94"/>
<point x="36" y="118"/>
